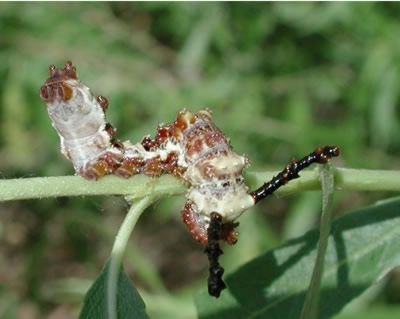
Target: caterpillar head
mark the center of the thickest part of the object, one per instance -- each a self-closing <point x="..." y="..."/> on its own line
<point x="55" y="88"/>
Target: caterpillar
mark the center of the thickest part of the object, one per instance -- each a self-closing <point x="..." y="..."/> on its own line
<point x="192" y="148"/>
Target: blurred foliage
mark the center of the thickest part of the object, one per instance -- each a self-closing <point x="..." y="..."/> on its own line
<point x="280" y="78"/>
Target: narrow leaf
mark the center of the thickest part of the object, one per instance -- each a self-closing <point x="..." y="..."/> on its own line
<point x="363" y="246"/>
<point x="130" y="304"/>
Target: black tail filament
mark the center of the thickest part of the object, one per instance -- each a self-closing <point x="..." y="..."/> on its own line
<point x="213" y="251"/>
<point x="321" y="155"/>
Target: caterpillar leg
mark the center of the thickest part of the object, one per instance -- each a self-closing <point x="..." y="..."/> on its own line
<point x="320" y="156"/>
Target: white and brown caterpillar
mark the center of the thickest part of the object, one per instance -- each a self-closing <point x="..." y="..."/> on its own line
<point x="191" y="148"/>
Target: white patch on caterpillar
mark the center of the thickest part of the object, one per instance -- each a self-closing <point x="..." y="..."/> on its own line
<point x="229" y="202"/>
<point x="223" y="191"/>
<point x="137" y="151"/>
<point x="172" y="146"/>
<point x="80" y="124"/>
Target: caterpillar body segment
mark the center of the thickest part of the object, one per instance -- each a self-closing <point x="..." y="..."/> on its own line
<point x="79" y="119"/>
<point x="204" y="159"/>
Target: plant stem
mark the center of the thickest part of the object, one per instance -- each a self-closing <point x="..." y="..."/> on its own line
<point x="118" y="251"/>
<point x="139" y="186"/>
<point x="310" y="307"/>
<point x="345" y="179"/>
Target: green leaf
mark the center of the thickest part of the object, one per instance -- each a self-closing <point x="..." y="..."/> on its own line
<point x="129" y="303"/>
<point x="363" y="246"/>
<point x="373" y="312"/>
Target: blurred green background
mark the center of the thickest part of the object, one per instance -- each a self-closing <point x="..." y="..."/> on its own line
<point x="280" y="79"/>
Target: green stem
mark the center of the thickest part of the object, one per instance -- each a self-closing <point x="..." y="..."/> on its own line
<point x="345" y="179"/>
<point x="39" y="187"/>
<point x="118" y="251"/>
<point x="310" y="307"/>
<point x="140" y="186"/>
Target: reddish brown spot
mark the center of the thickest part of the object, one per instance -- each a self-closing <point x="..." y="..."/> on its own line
<point x="179" y="124"/>
<point x="129" y="167"/>
<point x="110" y="129"/>
<point x="104" y="165"/>
<point x="148" y="143"/>
<point x="163" y="133"/>
<point x="335" y="151"/>
<point x="113" y="161"/>
<point x="214" y="138"/>
<point x="57" y="90"/>
<point x="94" y="170"/>
<point x="191" y="118"/>
<point x="207" y="171"/>
<point x="198" y="231"/>
<point x="45" y="93"/>
<point x="176" y="132"/>
<point x="179" y="172"/>
<point x="228" y="233"/>
<point x="184" y="118"/>
<point x="194" y="146"/>
<point x="153" y="167"/>
<point x="67" y="91"/>
<point x="103" y="102"/>
<point x="170" y="164"/>
<point x="117" y="144"/>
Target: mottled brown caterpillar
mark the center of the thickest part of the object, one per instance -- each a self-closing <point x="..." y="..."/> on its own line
<point x="191" y="148"/>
